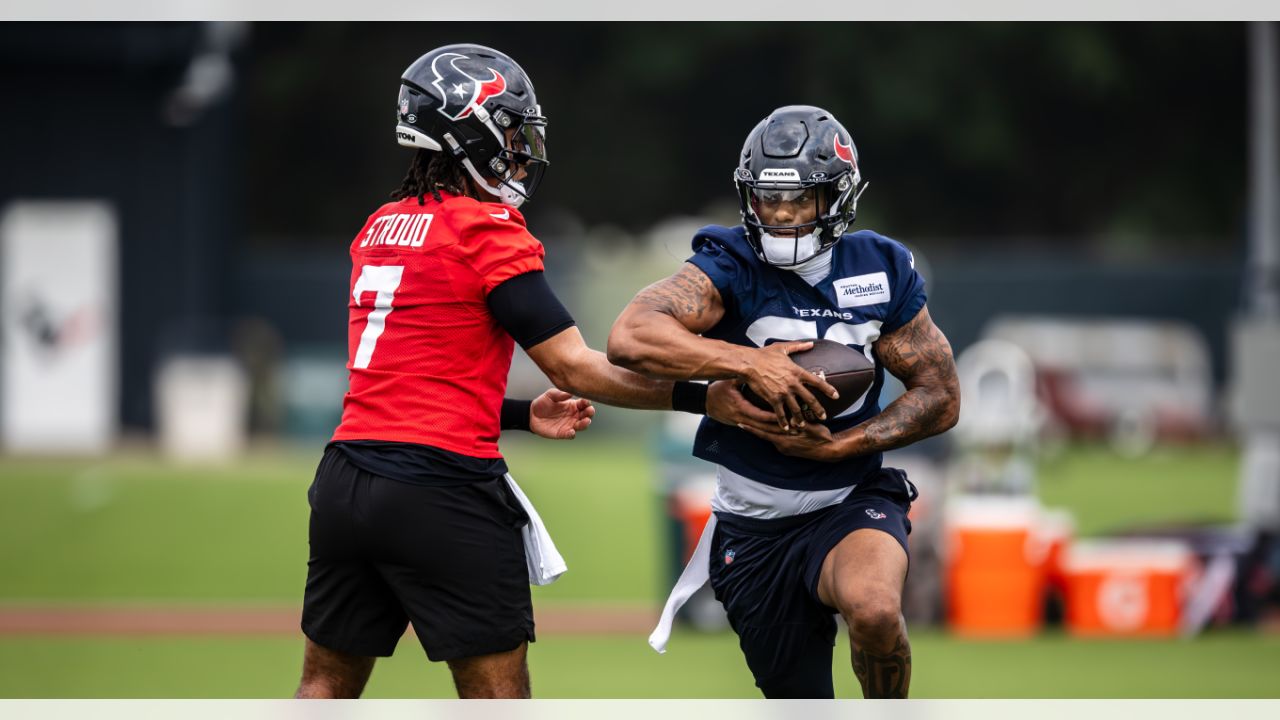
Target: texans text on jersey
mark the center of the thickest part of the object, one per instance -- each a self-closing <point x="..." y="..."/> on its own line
<point x="821" y="313"/>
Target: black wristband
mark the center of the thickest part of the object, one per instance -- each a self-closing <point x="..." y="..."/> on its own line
<point x="690" y="397"/>
<point x="515" y="414"/>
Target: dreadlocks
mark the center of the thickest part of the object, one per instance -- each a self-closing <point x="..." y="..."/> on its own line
<point x="431" y="172"/>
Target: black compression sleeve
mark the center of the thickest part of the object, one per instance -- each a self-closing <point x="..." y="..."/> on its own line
<point x="515" y="414"/>
<point x="528" y="310"/>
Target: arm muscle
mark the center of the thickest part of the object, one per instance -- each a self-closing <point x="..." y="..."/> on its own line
<point x="918" y="354"/>
<point x="658" y="332"/>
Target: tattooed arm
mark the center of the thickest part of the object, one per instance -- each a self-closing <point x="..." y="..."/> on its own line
<point x="919" y="355"/>
<point x="657" y="335"/>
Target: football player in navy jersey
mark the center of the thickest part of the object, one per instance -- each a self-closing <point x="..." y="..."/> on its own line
<point x="807" y="521"/>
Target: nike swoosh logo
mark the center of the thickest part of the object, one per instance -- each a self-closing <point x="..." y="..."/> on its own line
<point x="501" y="216"/>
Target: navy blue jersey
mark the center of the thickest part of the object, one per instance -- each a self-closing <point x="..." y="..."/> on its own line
<point x="873" y="289"/>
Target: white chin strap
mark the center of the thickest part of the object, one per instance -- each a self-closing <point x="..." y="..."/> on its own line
<point x="814" y="265"/>
<point x="508" y="192"/>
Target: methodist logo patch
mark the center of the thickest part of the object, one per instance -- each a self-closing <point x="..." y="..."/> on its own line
<point x="875" y="514"/>
<point x="869" y="289"/>
<point x="728" y="556"/>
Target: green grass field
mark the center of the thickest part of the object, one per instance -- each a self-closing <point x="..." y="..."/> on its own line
<point x="1221" y="665"/>
<point x="132" y="529"/>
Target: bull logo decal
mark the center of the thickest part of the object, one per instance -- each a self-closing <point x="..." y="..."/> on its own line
<point x="845" y="152"/>
<point x="463" y="93"/>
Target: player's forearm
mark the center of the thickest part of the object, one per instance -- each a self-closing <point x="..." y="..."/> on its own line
<point x="658" y="345"/>
<point x="592" y="376"/>
<point x="920" y="412"/>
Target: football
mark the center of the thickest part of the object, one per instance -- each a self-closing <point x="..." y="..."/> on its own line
<point x="846" y="369"/>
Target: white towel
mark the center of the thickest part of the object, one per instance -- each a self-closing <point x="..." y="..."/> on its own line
<point x="695" y="575"/>
<point x="540" y="554"/>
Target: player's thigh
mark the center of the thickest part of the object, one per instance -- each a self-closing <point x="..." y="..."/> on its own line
<point x="866" y="569"/>
<point x="859" y="555"/>
<point x="455" y="557"/>
<point x="757" y="574"/>
<point x="347" y="605"/>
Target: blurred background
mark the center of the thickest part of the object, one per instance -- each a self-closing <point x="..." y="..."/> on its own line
<point x="1093" y="206"/>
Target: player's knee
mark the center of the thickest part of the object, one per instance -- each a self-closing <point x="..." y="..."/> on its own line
<point x="499" y="675"/>
<point x="330" y="673"/>
<point x="873" y="618"/>
<point x="807" y="675"/>
<point x="328" y="688"/>
<point x="799" y="686"/>
<point x="476" y="686"/>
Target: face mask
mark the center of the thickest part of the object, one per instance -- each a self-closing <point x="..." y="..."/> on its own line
<point x="811" y="270"/>
<point x="788" y="251"/>
<point x="511" y="193"/>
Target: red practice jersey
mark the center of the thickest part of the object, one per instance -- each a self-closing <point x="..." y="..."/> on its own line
<point x="428" y="363"/>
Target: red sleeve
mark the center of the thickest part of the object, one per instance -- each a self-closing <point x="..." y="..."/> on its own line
<point x="493" y="241"/>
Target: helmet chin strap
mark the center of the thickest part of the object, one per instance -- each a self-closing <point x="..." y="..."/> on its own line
<point x="508" y="192"/>
<point x="815" y="268"/>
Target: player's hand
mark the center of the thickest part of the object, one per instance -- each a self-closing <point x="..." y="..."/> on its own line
<point x="726" y="404"/>
<point x="780" y="382"/>
<point x="815" y="443"/>
<point x="557" y="415"/>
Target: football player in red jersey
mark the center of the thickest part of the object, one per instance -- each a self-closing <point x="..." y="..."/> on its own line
<point x="414" y="518"/>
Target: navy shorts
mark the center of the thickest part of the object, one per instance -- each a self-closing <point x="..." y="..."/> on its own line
<point x="386" y="553"/>
<point x="765" y="573"/>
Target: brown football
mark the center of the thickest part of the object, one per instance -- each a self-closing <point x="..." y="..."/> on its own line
<point x="846" y="369"/>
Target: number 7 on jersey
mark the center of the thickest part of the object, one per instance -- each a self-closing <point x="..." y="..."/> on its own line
<point x="383" y="280"/>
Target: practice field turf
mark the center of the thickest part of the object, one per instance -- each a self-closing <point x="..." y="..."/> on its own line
<point x="611" y="666"/>
<point x="132" y="530"/>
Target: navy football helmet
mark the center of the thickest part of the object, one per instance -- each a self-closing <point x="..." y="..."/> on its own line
<point x="478" y="105"/>
<point x="796" y="148"/>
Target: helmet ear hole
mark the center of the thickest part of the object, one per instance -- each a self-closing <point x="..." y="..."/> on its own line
<point x="467" y="135"/>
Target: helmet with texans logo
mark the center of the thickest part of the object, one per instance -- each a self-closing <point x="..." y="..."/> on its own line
<point x="476" y="104"/>
<point x="795" y="149"/>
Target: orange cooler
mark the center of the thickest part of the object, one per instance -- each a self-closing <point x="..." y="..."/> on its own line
<point x="1127" y="587"/>
<point x="691" y="507"/>
<point x="994" y="566"/>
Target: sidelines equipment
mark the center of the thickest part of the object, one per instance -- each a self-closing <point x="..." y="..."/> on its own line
<point x="994" y="566"/>
<point x="1127" y="587"/>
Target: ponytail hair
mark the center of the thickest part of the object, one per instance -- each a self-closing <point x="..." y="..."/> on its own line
<point x="431" y="172"/>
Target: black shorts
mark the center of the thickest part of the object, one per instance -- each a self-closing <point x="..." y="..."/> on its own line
<point x="385" y="553"/>
<point x="765" y="573"/>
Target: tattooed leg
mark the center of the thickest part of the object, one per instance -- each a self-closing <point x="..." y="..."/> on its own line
<point x="882" y="674"/>
<point x="862" y="578"/>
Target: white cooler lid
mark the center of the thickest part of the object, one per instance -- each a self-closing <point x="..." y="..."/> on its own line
<point x="1128" y="555"/>
<point x="992" y="512"/>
